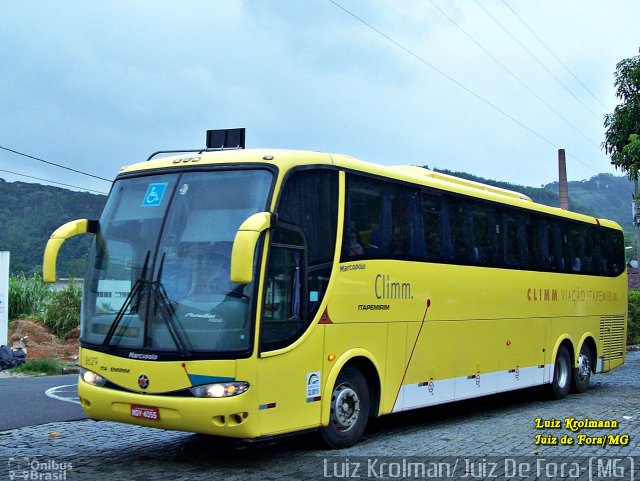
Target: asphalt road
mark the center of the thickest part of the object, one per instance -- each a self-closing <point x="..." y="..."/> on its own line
<point x="24" y="400"/>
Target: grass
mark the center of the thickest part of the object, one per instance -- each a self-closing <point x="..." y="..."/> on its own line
<point x="47" y="367"/>
<point x="31" y="297"/>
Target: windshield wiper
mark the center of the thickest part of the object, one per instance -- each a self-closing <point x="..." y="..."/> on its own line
<point x="137" y="292"/>
<point x="167" y="313"/>
<point x="173" y="325"/>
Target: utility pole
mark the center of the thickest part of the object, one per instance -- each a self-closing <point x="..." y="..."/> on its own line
<point x="4" y="297"/>
<point x="636" y="214"/>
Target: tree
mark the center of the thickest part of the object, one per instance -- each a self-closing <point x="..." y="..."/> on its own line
<point x="623" y="127"/>
<point x="624" y="122"/>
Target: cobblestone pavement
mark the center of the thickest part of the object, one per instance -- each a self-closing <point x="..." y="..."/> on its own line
<point x="474" y="434"/>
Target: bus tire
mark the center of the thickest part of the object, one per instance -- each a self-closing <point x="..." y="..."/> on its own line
<point x="561" y="374"/>
<point x="582" y="373"/>
<point x="349" y="410"/>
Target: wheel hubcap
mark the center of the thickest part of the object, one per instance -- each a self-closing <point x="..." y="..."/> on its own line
<point x="584" y="366"/>
<point x="563" y="372"/>
<point x="346" y="407"/>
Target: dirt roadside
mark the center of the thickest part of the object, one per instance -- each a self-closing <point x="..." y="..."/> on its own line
<point x="43" y="343"/>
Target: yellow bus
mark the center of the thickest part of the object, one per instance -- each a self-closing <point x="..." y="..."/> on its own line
<point x="252" y="293"/>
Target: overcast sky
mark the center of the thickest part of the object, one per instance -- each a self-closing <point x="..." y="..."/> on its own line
<point x="463" y="85"/>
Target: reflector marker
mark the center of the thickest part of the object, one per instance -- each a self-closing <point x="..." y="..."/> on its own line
<point x="325" y="319"/>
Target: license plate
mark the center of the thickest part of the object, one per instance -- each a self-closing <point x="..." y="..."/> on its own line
<point x="145" y="412"/>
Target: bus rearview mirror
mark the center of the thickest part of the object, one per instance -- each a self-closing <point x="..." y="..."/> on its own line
<point x="244" y="246"/>
<point x="61" y="234"/>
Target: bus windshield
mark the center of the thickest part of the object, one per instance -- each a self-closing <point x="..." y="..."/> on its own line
<point x="158" y="272"/>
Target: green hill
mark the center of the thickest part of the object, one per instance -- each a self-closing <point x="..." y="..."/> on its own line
<point x="29" y="213"/>
<point x="606" y="195"/>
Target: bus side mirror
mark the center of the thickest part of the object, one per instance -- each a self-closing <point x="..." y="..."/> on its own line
<point x="61" y="234"/>
<point x="244" y="246"/>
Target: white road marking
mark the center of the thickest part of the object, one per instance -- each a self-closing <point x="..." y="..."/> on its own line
<point x="55" y="393"/>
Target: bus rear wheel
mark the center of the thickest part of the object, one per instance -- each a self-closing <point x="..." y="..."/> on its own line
<point x="582" y="373"/>
<point x="561" y="374"/>
<point x="349" y="410"/>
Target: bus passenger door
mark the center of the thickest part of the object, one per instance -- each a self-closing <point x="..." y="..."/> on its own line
<point x="288" y="374"/>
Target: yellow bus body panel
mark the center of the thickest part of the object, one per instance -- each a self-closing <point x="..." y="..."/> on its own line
<point x="485" y="331"/>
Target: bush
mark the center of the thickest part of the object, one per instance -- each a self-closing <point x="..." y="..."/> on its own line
<point x="27" y="296"/>
<point x="62" y="310"/>
<point x="633" y="329"/>
<point x="39" y="366"/>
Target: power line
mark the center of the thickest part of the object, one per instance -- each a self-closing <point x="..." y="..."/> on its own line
<point x="453" y="80"/>
<point x="538" y="61"/>
<point x="54" y="164"/>
<point x="554" y="55"/>
<point x="513" y="75"/>
<point x="52" y="182"/>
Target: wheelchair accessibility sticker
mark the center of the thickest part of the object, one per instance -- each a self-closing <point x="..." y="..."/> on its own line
<point x="154" y="194"/>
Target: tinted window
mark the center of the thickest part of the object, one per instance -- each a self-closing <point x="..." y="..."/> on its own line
<point x="432" y="227"/>
<point x="385" y="219"/>
<point x="301" y="256"/>
<point x="310" y="201"/>
<point x="376" y="219"/>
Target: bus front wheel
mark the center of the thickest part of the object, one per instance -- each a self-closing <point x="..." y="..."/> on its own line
<point x="349" y="410"/>
<point x="561" y="374"/>
<point x="582" y="373"/>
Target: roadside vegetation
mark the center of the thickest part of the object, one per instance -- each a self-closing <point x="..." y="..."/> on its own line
<point x="30" y="297"/>
<point x="27" y="297"/>
<point x="47" y="367"/>
<point x="633" y="330"/>
<point x="33" y="303"/>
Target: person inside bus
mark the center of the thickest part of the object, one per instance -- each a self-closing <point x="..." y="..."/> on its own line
<point x="355" y="248"/>
<point x="577" y="265"/>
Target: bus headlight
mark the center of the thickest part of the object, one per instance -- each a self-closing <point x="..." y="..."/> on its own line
<point x="219" y="390"/>
<point x="92" y="378"/>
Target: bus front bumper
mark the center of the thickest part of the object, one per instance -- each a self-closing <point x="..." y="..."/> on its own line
<point x="229" y="417"/>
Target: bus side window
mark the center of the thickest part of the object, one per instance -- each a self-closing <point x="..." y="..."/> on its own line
<point x="590" y="250"/>
<point x="284" y="303"/>
<point x="513" y="240"/>
<point x="376" y="212"/>
<point x="417" y="245"/>
<point x="362" y="214"/>
<point x="446" y="243"/>
<point x="483" y="221"/>
<point x="614" y="253"/>
<point x="579" y="241"/>
<point x="545" y="247"/>
<point x="530" y="257"/>
<point x="567" y="262"/>
<point x="460" y="228"/>
<point x="555" y="246"/>
<point x="430" y="217"/>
